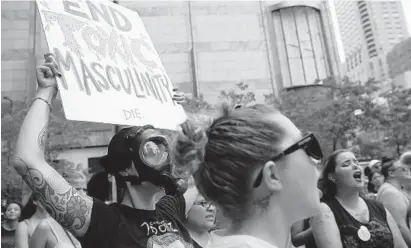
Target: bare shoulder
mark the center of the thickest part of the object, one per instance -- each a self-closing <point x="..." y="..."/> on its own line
<point x="22" y="226"/>
<point x="43" y="225"/>
<point x="325" y="214"/>
<point x="325" y="210"/>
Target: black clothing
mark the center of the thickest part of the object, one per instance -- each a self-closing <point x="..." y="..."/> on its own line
<point x="120" y="226"/>
<point x="7" y="238"/>
<point x="310" y="243"/>
<point x="381" y="236"/>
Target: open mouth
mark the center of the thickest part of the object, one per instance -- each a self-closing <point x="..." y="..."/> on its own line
<point x="358" y="175"/>
<point x="210" y="216"/>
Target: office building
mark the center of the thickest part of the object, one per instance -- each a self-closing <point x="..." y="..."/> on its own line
<point x="369" y="29"/>
<point x="205" y="46"/>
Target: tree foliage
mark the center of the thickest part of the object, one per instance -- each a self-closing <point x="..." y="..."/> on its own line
<point x="198" y="110"/>
<point x="334" y="112"/>
<point x="351" y="109"/>
<point x="239" y="95"/>
<point x="395" y="119"/>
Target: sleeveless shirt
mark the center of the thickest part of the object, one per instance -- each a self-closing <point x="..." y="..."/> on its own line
<point x="381" y="236"/>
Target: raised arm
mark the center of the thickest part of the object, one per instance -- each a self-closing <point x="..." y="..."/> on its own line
<point x="325" y="229"/>
<point x="71" y="209"/>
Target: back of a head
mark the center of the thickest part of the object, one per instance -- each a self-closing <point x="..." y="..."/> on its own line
<point x="29" y="209"/>
<point x="119" y="158"/>
<point x="385" y="159"/>
<point x="99" y="186"/>
<point x="223" y="157"/>
<point x="387" y="167"/>
<point x="406" y="158"/>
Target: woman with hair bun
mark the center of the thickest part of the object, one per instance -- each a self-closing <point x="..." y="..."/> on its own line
<point x="256" y="166"/>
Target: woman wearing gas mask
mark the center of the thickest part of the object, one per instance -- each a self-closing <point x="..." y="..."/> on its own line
<point x="137" y="157"/>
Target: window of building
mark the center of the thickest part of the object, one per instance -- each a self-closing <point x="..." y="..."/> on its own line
<point x="300" y="45"/>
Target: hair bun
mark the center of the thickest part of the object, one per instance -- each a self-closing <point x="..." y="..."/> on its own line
<point x="107" y="163"/>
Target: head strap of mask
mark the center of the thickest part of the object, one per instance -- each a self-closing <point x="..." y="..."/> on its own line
<point x="150" y="153"/>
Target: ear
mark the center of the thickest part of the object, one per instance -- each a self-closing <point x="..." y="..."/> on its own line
<point x="331" y="177"/>
<point x="271" y="176"/>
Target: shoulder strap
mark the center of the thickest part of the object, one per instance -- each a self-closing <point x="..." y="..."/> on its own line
<point x="376" y="209"/>
<point x="52" y="229"/>
<point x="30" y="228"/>
<point x="69" y="236"/>
<point x="338" y="211"/>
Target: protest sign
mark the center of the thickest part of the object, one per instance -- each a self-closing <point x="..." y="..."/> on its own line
<point x="111" y="70"/>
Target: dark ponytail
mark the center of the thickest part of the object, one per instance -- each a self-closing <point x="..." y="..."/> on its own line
<point x="327" y="186"/>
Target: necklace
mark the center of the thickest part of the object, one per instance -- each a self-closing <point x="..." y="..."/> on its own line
<point x="363" y="233"/>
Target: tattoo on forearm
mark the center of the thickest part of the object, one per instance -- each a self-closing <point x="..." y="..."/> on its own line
<point x="43" y="137"/>
<point x="60" y="200"/>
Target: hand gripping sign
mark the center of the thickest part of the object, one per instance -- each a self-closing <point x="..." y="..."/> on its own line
<point x="111" y="70"/>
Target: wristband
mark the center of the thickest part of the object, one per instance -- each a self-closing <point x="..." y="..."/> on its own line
<point x="44" y="100"/>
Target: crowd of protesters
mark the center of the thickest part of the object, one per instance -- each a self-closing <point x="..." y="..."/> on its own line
<point x="251" y="164"/>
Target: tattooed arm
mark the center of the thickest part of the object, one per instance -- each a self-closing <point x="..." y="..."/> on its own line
<point x="71" y="209"/>
<point x="325" y="229"/>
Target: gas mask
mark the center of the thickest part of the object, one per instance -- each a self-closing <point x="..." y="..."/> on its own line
<point x="150" y="153"/>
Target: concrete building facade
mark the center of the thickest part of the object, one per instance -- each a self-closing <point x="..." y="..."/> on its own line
<point x="369" y="29"/>
<point x="205" y="46"/>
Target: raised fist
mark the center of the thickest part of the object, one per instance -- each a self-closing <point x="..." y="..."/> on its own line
<point x="178" y="96"/>
<point x="46" y="73"/>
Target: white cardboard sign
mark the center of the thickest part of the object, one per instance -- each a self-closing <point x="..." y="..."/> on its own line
<point x="111" y="70"/>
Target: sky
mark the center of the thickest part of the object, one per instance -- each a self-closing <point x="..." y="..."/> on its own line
<point x="407" y="9"/>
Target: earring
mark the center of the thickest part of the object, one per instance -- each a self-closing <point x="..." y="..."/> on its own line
<point x="331" y="178"/>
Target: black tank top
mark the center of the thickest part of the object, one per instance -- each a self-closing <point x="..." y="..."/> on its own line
<point x="381" y="236"/>
<point x="311" y="242"/>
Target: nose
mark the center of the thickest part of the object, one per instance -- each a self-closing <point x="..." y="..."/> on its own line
<point x="356" y="166"/>
<point x="211" y="208"/>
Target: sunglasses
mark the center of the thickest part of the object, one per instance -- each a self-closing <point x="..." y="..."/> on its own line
<point x="204" y="204"/>
<point x="308" y="143"/>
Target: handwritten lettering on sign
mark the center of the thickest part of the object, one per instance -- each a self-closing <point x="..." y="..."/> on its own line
<point x="111" y="70"/>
